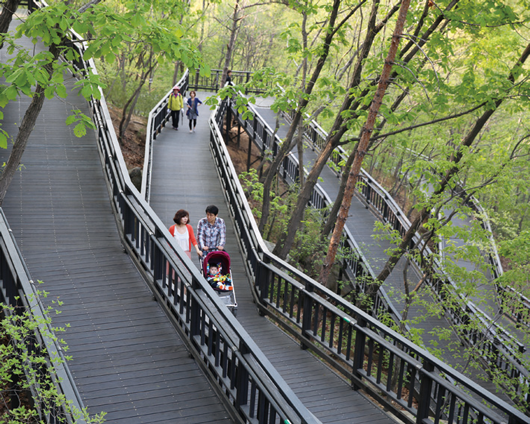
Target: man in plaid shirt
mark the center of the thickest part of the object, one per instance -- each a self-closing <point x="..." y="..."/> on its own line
<point x="211" y="231"/>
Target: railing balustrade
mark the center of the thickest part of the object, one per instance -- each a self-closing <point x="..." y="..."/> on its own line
<point x="17" y="289"/>
<point x="213" y="82"/>
<point x="356" y="268"/>
<point x="518" y="311"/>
<point x="401" y="376"/>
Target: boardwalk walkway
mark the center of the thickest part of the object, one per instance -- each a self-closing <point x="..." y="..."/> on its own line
<point x="127" y="358"/>
<point x="184" y="177"/>
<point x="361" y="225"/>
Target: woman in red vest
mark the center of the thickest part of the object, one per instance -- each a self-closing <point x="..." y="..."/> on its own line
<point x="183" y="232"/>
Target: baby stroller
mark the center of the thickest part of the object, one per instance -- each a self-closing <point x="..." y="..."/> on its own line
<point x="222" y="260"/>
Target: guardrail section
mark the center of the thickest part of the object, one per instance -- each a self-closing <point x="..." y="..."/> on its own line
<point x="17" y="289"/>
<point x="242" y="376"/>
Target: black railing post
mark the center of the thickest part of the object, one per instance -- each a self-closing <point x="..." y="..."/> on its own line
<point x="158" y="257"/>
<point x="228" y="120"/>
<point x="308" y="314"/>
<point x="263" y="280"/>
<point x="424" y="400"/>
<point x="247" y="80"/>
<point x="358" y="352"/>
<point x="242" y="377"/>
<point x="195" y="312"/>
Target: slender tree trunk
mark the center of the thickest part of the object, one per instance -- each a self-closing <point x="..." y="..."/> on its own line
<point x="128" y="109"/>
<point x="25" y="130"/>
<point x="332" y="218"/>
<point x="176" y="73"/>
<point x="231" y="43"/>
<point x="300" y="142"/>
<point x="384" y="81"/>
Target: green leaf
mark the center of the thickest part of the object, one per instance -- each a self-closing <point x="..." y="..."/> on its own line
<point x="12" y="78"/>
<point x="70" y="120"/>
<point x="3" y="140"/>
<point x="61" y="91"/>
<point x="79" y="130"/>
<point x="11" y="92"/>
<point x="49" y="92"/>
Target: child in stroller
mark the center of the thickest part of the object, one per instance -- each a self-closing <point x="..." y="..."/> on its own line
<point x="215" y="267"/>
<point x="218" y="280"/>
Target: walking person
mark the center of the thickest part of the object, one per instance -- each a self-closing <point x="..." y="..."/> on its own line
<point x="192" y="112"/>
<point x="229" y="78"/>
<point x="183" y="232"/>
<point x="211" y="231"/>
<point x="175" y="105"/>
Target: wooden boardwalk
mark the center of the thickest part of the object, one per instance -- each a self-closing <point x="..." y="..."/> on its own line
<point x="184" y="177"/>
<point x="127" y="358"/>
<point x="361" y="223"/>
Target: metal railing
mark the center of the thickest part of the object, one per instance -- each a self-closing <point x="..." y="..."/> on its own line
<point x="17" y="289"/>
<point x="400" y="375"/>
<point x="490" y="340"/>
<point x="355" y="267"/>
<point x="242" y="376"/>
<point x="518" y="311"/>
<point x="213" y="82"/>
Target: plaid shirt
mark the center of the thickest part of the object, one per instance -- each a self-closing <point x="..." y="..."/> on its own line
<point x="211" y="235"/>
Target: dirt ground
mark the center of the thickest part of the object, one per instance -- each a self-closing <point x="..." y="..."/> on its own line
<point x="133" y="145"/>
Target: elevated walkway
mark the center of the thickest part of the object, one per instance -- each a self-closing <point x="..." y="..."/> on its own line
<point x="184" y="177"/>
<point x="361" y="225"/>
<point x="128" y="359"/>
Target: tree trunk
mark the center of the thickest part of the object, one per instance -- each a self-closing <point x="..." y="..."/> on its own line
<point x="332" y="217"/>
<point x="25" y="130"/>
<point x="231" y="43"/>
<point x="8" y="9"/>
<point x="384" y="81"/>
<point x="128" y="109"/>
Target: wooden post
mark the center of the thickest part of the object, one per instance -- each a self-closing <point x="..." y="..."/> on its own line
<point x="358" y="352"/>
<point x="249" y="151"/>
